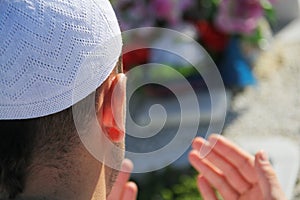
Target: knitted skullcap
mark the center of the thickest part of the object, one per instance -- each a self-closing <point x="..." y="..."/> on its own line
<point x="54" y="53"/>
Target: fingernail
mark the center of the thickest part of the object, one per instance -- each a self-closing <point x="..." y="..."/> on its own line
<point x="204" y="150"/>
<point x="263" y="156"/>
<point x="131" y="190"/>
<point x="127" y="165"/>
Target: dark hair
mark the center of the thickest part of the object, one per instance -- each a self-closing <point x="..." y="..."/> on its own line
<point x="15" y="149"/>
<point x="21" y="140"/>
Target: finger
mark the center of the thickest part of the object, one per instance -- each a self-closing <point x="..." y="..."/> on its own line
<point x="130" y="191"/>
<point x="213" y="175"/>
<point x="267" y="178"/>
<point x="121" y="180"/>
<point x="205" y="189"/>
<point x="232" y="174"/>
<point x="239" y="158"/>
<point x="197" y="143"/>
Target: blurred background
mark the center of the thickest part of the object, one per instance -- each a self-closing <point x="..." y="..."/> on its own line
<point x="255" y="45"/>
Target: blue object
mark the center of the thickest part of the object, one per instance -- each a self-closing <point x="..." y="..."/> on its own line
<point x="234" y="68"/>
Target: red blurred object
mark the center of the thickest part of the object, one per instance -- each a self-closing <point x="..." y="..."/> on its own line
<point x="213" y="39"/>
<point x="135" y="57"/>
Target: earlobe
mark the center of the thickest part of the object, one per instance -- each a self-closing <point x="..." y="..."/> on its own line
<point x="112" y="120"/>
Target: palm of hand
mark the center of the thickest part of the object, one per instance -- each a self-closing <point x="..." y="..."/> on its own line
<point x="233" y="172"/>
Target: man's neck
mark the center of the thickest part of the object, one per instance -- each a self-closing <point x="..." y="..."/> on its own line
<point x="81" y="179"/>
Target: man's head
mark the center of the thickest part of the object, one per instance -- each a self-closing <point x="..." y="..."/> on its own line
<point x="54" y="55"/>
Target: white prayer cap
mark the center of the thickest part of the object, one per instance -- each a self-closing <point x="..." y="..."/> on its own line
<point x="54" y="53"/>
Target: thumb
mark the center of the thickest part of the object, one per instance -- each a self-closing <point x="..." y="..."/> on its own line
<point x="267" y="178"/>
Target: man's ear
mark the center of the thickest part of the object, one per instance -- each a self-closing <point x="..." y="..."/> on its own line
<point x="112" y="113"/>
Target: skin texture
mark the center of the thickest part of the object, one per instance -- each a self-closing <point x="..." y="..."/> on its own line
<point x="233" y="172"/>
<point x="112" y="120"/>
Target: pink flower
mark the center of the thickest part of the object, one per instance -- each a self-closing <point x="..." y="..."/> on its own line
<point x="239" y="16"/>
<point x="164" y="9"/>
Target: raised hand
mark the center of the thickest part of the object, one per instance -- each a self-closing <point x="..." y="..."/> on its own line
<point x="122" y="189"/>
<point x="235" y="173"/>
